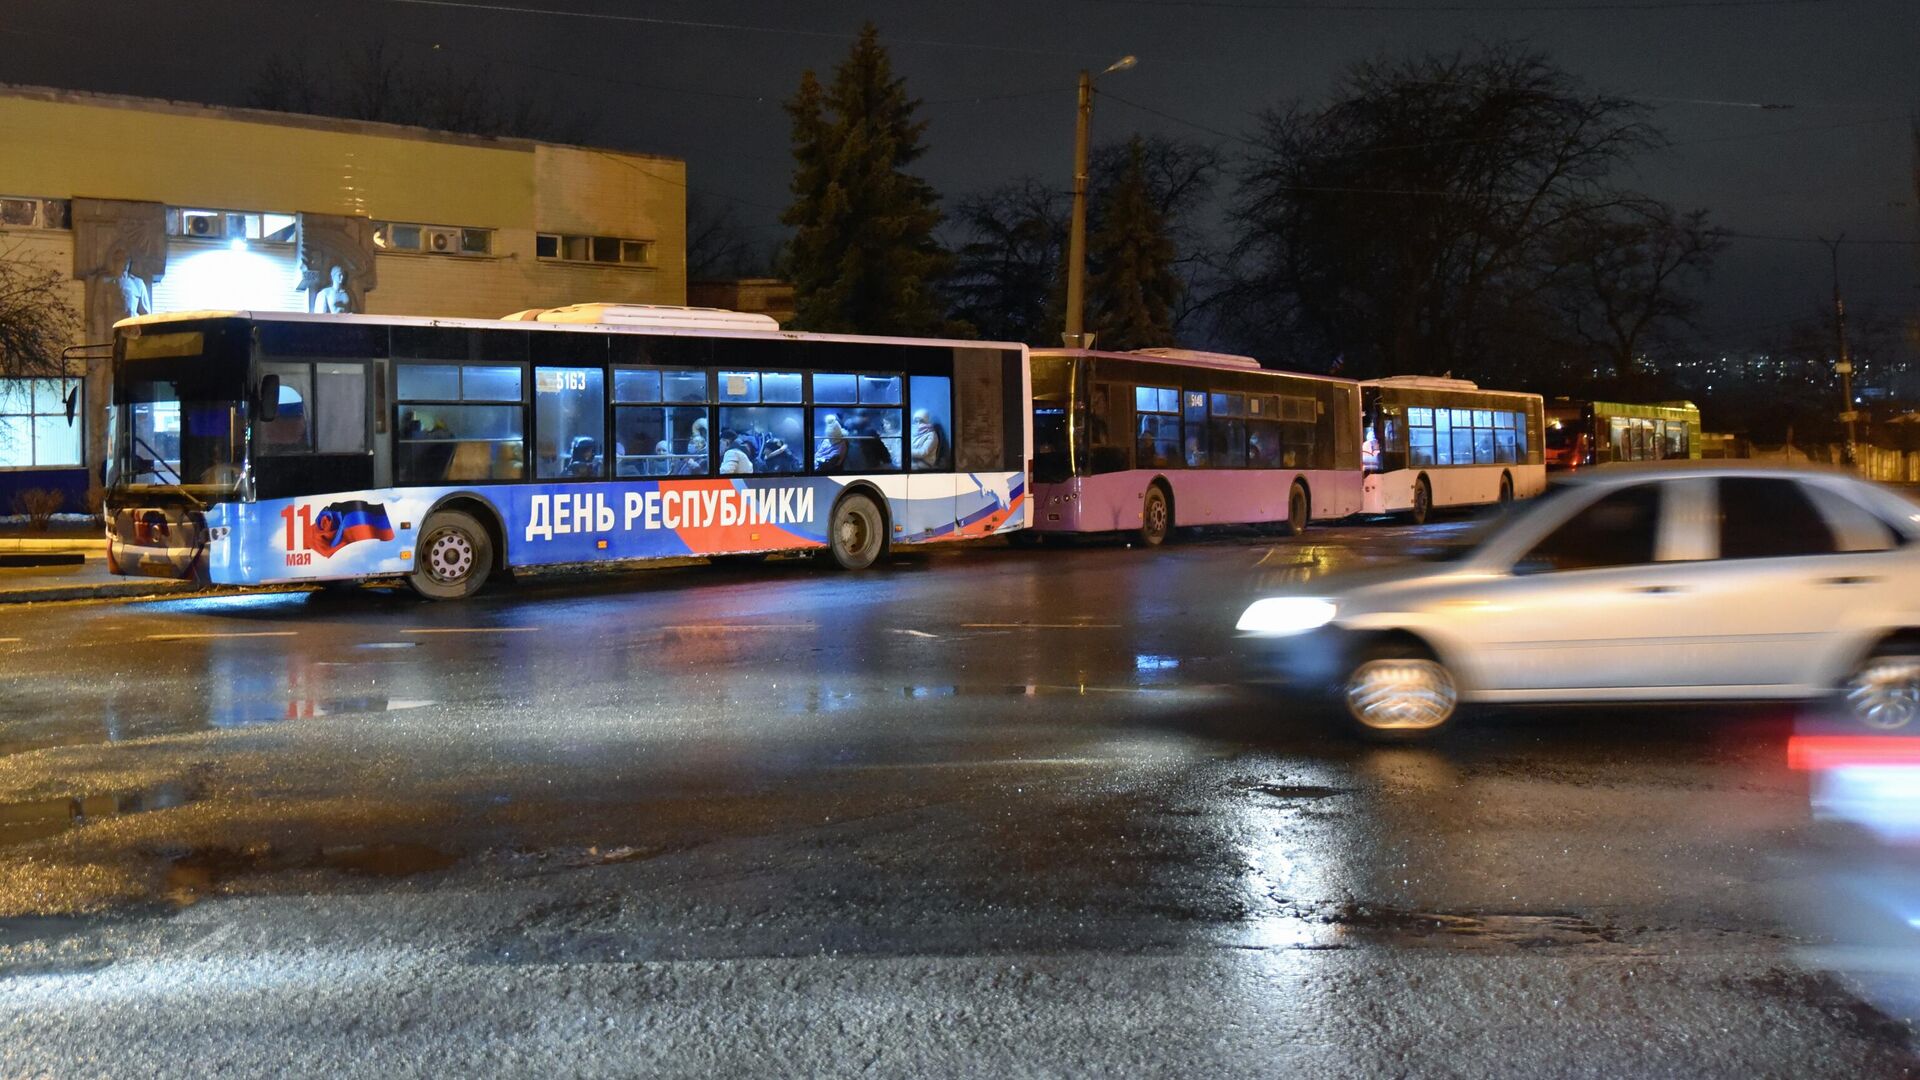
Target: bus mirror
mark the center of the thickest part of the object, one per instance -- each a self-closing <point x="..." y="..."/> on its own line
<point x="73" y="403"/>
<point x="269" y="407"/>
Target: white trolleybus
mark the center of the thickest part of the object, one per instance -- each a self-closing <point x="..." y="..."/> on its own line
<point x="1144" y="441"/>
<point x="279" y="447"/>
<point x="1431" y="443"/>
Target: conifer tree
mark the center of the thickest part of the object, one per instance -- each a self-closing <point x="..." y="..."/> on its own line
<point x="862" y="258"/>
<point x="1132" y="286"/>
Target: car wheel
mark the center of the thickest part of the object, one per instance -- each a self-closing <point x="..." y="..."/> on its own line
<point x="1299" y="511"/>
<point x="1156" y="517"/>
<point x="453" y="559"/>
<point x="1397" y="693"/>
<point x="1884" y="693"/>
<point x="857" y="536"/>
<point x="1422" y="502"/>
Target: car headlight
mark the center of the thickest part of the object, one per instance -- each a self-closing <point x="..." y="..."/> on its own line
<point x="1285" y="615"/>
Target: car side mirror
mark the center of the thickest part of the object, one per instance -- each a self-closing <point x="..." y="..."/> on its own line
<point x="73" y="403"/>
<point x="269" y="406"/>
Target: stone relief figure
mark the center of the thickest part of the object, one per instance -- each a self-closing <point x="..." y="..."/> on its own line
<point x="335" y="256"/>
<point x="335" y="299"/>
<point x="136" y="298"/>
<point x="119" y="250"/>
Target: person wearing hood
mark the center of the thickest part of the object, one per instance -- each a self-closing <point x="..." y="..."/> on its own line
<point x="929" y="442"/>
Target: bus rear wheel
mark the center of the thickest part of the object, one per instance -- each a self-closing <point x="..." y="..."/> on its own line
<point x="1299" y="511"/>
<point x="1156" y="517"/>
<point x="1422" y="502"/>
<point x="857" y="533"/>
<point x="1506" y="490"/>
<point x="454" y="557"/>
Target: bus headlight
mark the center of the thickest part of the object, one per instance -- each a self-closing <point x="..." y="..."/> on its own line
<point x="1285" y="615"/>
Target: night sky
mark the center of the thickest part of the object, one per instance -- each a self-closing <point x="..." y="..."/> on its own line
<point x="997" y="79"/>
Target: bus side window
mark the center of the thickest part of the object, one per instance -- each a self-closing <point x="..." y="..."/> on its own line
<point x="929" y="436"/>
<point x="1110" y="429"/>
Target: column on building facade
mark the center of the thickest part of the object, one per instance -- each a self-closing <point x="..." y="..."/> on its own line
<point x="119" y="250"/>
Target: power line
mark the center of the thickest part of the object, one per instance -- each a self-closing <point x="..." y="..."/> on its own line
<point x="700" y="24"/>
<point x="1334" y="7"/>
<point x="1869" y="241"/>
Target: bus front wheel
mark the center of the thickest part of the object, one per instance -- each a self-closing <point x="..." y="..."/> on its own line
<point x="454" y="557"/>
<point x="857" y="535"/>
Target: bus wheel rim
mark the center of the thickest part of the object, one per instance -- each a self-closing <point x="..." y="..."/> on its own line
<point x="854" y="534"/>
<point x="450" y="556"/>
<point x="1885" y="694"/>
<point x="1401" y="695"/>
<point x="1157" y="515"/>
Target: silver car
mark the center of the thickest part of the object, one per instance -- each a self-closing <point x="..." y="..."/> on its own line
<point x="1640" y="584"/>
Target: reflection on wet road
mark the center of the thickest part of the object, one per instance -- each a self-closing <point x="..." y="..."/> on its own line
<point x="985" y="809"/>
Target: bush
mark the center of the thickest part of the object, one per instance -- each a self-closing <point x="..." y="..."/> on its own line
<point x="96" y="500"/>
<point x="39" y="505"/>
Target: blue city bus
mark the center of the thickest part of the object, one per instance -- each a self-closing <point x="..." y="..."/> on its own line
<point x="264" y="447"/>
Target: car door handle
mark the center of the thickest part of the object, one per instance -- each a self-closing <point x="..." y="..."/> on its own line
<point x="1657" y="589"/>
<point x="1850" y="579"/>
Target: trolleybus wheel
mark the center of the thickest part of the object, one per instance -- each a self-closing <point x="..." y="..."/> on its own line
<point x="1156" y="517"/>
<point x="454" y="557"/>
<point x="1422" y="502"/>
<point x="1506" y="490"/>
<point x="1298" y="509"/>
<point x="857" y="534"/>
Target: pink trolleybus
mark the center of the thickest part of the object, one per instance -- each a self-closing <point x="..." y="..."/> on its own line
<point x="1144" y="441"/>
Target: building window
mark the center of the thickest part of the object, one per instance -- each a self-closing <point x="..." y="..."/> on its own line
<point x="34" y="433"/>
<point x="22" y="212"/>
<point x="604" y="250"/>
<point x="397" y="236"/>
<point x="190" y="223"/>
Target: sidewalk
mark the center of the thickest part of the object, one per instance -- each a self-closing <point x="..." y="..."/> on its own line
<point x="86" y="580"/>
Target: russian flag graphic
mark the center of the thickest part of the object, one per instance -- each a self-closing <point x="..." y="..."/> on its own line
<point x="342" y="523"/>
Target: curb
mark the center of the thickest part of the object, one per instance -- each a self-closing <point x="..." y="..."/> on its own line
<point x="65" y="544"/>
<point x="110" y="590"/>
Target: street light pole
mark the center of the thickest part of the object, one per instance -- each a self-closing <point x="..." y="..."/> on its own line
<point x="1075" y="336"/>
<point x="1844" y="364"/>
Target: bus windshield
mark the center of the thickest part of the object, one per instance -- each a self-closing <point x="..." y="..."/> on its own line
<point x="179" y="415"/>
<point x="169" y="440"/>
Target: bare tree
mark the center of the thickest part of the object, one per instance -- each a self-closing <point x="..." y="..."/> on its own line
<point x="1625" y="280"/>
<point x="1399" y="225"/>
<point x="1009" y="242"/>
<point x="385" y="85"/>
<point x="36" y="321"/>
<point x="718" y="245"/>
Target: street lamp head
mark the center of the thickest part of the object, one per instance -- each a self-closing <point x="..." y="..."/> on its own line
<point x="1125" y="63"/>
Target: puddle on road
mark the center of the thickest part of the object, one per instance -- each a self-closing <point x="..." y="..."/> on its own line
<point x="193" y="874"/>
<point x="38" y="819"/>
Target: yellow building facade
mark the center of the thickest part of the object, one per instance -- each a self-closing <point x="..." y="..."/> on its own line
<point x="190" y="207"/>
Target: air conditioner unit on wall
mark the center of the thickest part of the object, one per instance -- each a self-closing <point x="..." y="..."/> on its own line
<point x="440" y="241"/>
<point x="202" y="225"/>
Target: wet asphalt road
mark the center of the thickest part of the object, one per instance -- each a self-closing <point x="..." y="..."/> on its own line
<point x="987" y="810"/>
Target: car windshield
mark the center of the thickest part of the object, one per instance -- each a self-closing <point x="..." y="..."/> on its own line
<point x="1473" y="534"/>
